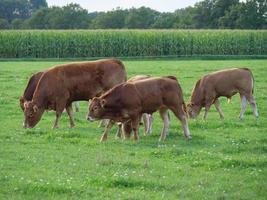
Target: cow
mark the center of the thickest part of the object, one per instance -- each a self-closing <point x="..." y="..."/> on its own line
<point x="147" y="118"/>
<point x="128" y="101"/>
<point x="224" y="83"/>
<point x="29" y="90"/>
<point x="59" y="86"/>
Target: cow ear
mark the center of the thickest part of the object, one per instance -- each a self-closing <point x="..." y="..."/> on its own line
<point x="103" y="102"/>
<point x="90" y="101"/>
<point x="35" y="108"/>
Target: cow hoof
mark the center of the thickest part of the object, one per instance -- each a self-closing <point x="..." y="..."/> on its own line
<point x="55" y="127"/>
<point x="189" y="137"/>
<point x="136" y="139"/>
<point x="72" y="126"/>
<point x="103" y="139"/>
<point x="117" y="137"/>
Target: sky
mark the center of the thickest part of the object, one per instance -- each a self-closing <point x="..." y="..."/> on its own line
<point x="106" y="5"/>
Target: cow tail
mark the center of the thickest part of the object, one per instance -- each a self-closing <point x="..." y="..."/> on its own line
<point x="253" y="82"/>
<point x="123" y="67"/>
<point x="252" y="77"/>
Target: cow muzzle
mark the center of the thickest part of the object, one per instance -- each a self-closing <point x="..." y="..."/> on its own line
<point x="91" y="119"/>
<point x="26" y="125"/>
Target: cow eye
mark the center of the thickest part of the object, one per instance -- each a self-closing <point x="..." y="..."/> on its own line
<point x="95" y="108"/>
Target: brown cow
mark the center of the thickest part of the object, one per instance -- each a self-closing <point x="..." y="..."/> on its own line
<point x="63" y="84"/>
<point x="29" y="90"/>
<point x="222" y="83"/>
<point x="147" y="118"/>
<point x="128" y="101"/>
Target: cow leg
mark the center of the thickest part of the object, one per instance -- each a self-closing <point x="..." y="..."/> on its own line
<point x="127" y="129"/>
<point x="119" y="131"/>
<point x="218" y="108"/>
<point x="207" y="108"/>
<point x="135" y="126"/>
<point x="70" y="113"/>
<point x="243" y="106"/>
<point x="76" y="104"/>
<point x="146" y="122"/>
<point x="151" y="119"/>
<point x="181" y="115"/>
<point x="58" y="115"/>
<point x="104" y="136"/>
<point x="165" y="118"/>
<point x="103" y="123"/>
<point x="253" y="104"/>
<point x="169" y="118"/>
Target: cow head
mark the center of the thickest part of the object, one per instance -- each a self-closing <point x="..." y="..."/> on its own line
<point x="21" y="102"/>
<point x="96" y="108"/>
<point x="32" y="114"/>
<point x="193" y="110"/>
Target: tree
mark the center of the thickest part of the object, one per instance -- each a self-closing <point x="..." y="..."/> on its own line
<point x="246" y="15"/>
<point x="202" y="16"/>
<point x="17" y="23"/>
<point x="110" y="19"/>
<point x="140" y="18"/>
<point x="230" y="17"/>
<point x="165" y="20"/>
<point x="40" y="18"/>
<point x="3" y="24"/>
<point x="11" y="9"/>
<point x="184" y="18"/>
<point x="37" y="4"/>
<point x="74" y="17"/>
<point x="220" y="8"/>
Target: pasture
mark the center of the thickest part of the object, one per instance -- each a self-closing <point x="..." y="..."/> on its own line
<point x="226" y="159"/>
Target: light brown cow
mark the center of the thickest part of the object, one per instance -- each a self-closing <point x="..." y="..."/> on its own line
<point x="63" y="84"/>
<point x="224" y="83"/>
<point x="128" y="101"/>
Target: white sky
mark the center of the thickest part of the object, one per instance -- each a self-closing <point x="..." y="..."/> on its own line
<point x="105" y="5"/>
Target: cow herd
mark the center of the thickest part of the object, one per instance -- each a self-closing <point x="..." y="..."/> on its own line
<point x="114" y="99"/>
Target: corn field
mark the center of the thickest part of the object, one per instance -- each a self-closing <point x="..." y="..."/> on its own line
<point x="130" y="43"/>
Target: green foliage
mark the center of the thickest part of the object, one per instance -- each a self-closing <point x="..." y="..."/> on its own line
<point x="226" y="159"/>
<point x="127" y="43"/>
<point x="11" y="9"/>
<point x="140" y="18"/>
<point x="37" y="4"/>
<point x="3" y="24"/>
<point x="17" y="23"/>
<point x="112" y="19"/>
<point x="249" y="14"/>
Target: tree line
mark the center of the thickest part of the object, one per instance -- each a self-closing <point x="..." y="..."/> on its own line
<point x="206" y="14"/>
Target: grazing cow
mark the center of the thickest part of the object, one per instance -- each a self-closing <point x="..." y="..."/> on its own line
<point x="128" y="101"/>
<point x="63" y="84"/>
<point x="147" y="118"/>
<point x="222" y="83"/>
<point x="29" y="90"/>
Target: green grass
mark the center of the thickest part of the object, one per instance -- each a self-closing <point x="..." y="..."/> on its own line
<point x="224" y="160"/>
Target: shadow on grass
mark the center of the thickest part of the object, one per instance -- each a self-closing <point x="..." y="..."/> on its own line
<point x="131" y="183"/>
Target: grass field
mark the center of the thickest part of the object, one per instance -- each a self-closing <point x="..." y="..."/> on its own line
<point x="224" y="160"/>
